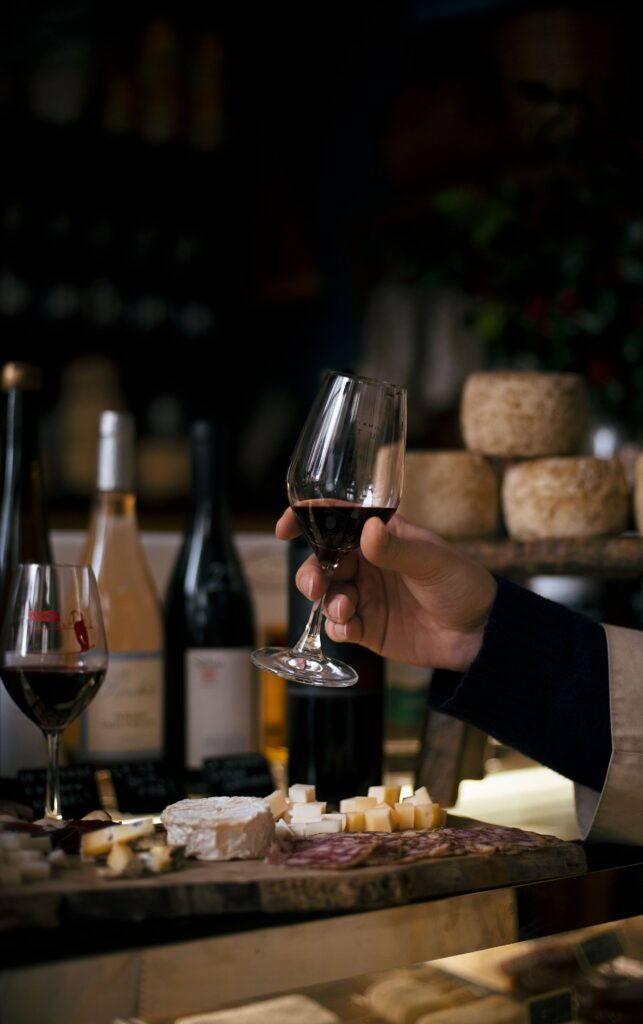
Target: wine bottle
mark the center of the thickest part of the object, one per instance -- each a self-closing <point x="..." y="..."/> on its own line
<point x="23" y="537"/>
<point x="210" y="700"/>
<point x="125" y="721"/>
<point x="335" y="736"/>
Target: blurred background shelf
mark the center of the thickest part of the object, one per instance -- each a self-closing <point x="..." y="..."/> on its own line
<point x="606" y="557"/>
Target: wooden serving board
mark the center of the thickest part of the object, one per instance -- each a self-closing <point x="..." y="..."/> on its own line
<point x="233" y="887"/>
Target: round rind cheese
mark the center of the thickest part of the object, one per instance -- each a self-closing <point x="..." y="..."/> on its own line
<point x="524" y="413"/>
<point x="568" y="497"/>
<point x="454" y="493"/>
<point x="220" y="827"/>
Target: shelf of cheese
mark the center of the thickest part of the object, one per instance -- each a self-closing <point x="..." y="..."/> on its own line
<point x="381" y="810"/>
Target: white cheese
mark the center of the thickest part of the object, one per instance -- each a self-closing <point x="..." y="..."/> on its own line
<point x="308" y="812"/>
<point x="300" y="793"/>
<point x="357" y="803"/>
<point x="220" y="827"/>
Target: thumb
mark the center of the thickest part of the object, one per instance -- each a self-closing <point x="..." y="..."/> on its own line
<point x="410" y="554"/>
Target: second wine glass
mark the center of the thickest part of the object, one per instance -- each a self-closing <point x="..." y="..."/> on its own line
<point x="53" y="654"/>
<point x="347" y="466"/>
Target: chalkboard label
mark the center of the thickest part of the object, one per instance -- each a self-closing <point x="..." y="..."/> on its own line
<point x="599" y="949"/>
<point x="144" y="787"/>
<point x="557" y="1007"/>
<point x="78" y="790"/>
<point x="237" y="775"/>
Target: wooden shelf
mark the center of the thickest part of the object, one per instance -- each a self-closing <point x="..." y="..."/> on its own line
<point x="616" y="557"/>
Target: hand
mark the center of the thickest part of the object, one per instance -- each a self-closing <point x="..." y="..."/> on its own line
<point x="405" y="593"/>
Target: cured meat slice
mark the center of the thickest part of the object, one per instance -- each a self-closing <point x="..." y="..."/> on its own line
<point x="405" y="847"/>
<point x="333" y="852"/>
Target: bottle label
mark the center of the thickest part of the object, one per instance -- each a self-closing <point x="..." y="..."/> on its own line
<point x="218" y="703"/>
<point x="125" y="719"/>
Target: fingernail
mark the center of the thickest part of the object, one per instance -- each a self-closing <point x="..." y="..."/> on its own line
<point x="310" y="583"/>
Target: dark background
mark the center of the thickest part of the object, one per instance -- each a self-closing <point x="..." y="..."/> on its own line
<point x="202" y="208"/>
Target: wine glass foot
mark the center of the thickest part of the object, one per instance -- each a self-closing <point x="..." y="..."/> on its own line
<point x="313" y="670"/>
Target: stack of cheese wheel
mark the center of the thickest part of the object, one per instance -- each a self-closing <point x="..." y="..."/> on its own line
<point x="540" y="419"/>
<point x="453" y="493"/>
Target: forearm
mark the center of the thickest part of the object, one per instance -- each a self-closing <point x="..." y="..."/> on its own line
<point x="539" y="684"/>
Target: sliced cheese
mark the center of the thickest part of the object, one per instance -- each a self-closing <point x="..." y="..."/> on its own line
<point x="94" y="844"/>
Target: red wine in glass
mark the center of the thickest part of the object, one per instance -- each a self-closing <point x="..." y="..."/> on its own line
<point x="51" y="697"/>
<point x="333" y="528"/>
<point x="347" y="467"/>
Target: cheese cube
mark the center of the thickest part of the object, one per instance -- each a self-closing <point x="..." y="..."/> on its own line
<point x="336" y="816"/>
<point x="277" y="803"/>
<point x="35" y="870"/>
<point x="379" y="819"/>
<point x="301" y="793"/>
<point x="404" y="815"/>
<point x="158" y="859"/>
<point x="385" y="794"/>
<point x="357" y="803"/>
<point x="355" y="821"/>
<point x="314" y="828"/>
<point x="422" y="796"/>
<point x="427" y="816"/>
<point x="311" y="811"/>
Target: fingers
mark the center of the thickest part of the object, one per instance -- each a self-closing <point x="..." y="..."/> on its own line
<point x="287" y="527"/>
<point x="398" y="549"/>
<point x="345" y="632"/>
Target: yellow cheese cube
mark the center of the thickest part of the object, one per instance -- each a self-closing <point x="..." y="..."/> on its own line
<point x="385" y="794"/>
<point x="355" y="821"/>
<point x="404" y="815"/>
<point x="357" y="803"/>
<point x="277" y="803"/>
<point x="379" y="819"/>
<point x="427" y="816"/>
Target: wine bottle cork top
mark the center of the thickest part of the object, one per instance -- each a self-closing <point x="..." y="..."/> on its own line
<point x="24" y="376"/>
<point x="115" y="451"/>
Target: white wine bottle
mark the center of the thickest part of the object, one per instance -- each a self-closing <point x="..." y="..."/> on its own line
<point x="125" y="721"/>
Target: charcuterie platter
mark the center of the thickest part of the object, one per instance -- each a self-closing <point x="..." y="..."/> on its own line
<point x="380" y="870"/>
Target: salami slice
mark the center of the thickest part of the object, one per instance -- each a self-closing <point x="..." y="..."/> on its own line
<point x="332" y="852"/>
<point x="408" y="846"/>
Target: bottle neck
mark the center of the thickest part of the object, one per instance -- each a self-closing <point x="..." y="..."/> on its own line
<point x="208" y="485"/>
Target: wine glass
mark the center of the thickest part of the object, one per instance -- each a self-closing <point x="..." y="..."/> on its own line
<point x="347" y="466"/>
<point x="53" y="654"/>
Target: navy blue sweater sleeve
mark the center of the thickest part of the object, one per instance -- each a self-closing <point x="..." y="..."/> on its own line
<point x="539" y="684"/>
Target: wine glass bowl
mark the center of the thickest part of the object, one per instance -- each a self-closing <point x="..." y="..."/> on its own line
<point x="347" y="467"/>
<point x="53" y="654"/>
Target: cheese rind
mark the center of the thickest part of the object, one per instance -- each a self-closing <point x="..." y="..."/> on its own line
<point x="220" y="827"/>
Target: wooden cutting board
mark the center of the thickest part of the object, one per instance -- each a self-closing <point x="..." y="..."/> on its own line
<point x="206" y="889"/>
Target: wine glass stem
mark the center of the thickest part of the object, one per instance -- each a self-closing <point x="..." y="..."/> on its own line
<point x="310" y="640"/>
<point x="52" y="794"/>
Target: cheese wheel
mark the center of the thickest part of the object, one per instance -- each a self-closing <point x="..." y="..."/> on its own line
<point x="576" y="496"/>
<point x="220" y="827"/>
<point x="455" y="494"/>
<point x="524" y="413"/>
